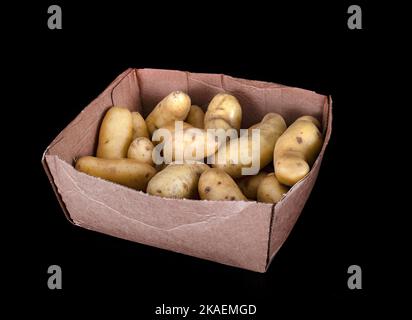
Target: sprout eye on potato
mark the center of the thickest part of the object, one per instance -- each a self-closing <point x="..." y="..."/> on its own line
<point x="126" y="151"/>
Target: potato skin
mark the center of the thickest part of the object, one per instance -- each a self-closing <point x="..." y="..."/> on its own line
<point x="271" y="127"/>
<point x="196" y="117"/>
<point x="175" y="106"/>
<point x="215" y="184"/>
<point x="249" y="184"/>
<point x="296" y="150"/>
<point x="127" y="172"/>
<point x="177" y="181"/>
<point x="115" y="135"/>
<point x="141" y="150"/>
<point x="270" y="190"/>
<point x="183" y="145"/>
<point x="139" y="126"/>
<point x="224" y="112"/>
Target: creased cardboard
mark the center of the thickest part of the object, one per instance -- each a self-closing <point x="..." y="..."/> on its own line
<point x="241" y="234"/>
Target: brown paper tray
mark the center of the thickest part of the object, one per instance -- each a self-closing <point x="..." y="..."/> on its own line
<point x="241" y="234"/>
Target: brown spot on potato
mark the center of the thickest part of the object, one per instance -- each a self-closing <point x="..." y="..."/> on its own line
<point x="299" y="164"/>
<point x="147" y="175"/>
<point x="219" y="182"/>
<point x="207" y="189"/>
<point x="147" y="148"/>
<point x="107" y="141"/>
<point x="159" y="191"/>
<point x="299" y="140"/>
<point x="232" y="198"/>
<point x="226" y="197"/>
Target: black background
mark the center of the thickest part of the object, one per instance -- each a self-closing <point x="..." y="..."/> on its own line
<point x="308" y="46"/>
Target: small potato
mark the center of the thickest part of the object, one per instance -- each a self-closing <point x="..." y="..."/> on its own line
<point x="115" y="134"/>
<point x="270" y="190"/>
<point x="250" y="154"/>
<point x="127" y="172"/>
<point x="177" y="181"/>
<point x="196" y="117"/>
<point x="296" y="150"/>
<point x="224" y="112"/>
<point x="249" y="184"/>
<point x="141" y="150"/>
<point x="174" y="106"/>
<point x="215" y="184"/>
<point x="183" y="142"/>
<point x="139" y="126"/>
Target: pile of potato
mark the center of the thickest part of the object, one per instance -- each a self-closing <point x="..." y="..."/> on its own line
<point x="126" y="143"/>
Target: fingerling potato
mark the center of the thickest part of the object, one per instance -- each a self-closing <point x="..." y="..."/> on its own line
<point x="196" y="117"/>
<point x="177" y="181"/>
<point x="141" y="150"/>
<point x="215" y="184"/>
<point x="251" y="154"/>
<point x="127" y="172"/>
<point x="224" y="112"/>
<point x="116" y="133"/>
<point x="175" y="106"/>
<point x="183" y="142"/>
<point x="296" y="150"/>
<point x="270" y="190"/>
<point x="139" y="126"/>
<point x="249" y="184"/>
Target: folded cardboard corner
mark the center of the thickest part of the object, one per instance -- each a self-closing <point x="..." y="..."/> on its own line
<point x="236" y="233"/>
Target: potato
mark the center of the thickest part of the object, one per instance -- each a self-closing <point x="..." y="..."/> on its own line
<point x="187" y="143"/>
<point x="174" y="106"/>
<point x="115" y="134"/>
<point x="270" y="190"/>
<point x="296" y="150"/>
<point x="127" y="172"/>
<point x="251" y="155"/>
<point x="215" y="184"/>
<point x="249" y="184"/>
<point x="223" y="112"/>
<point x="141" y="150"/>
<point x="172" y="128"/>
<point x="139" y="126"/>
<point x="196" y="117"/>
<point x="177" y="181"/>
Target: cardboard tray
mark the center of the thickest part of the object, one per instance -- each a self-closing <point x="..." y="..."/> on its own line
<point x="237" y="233"/>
